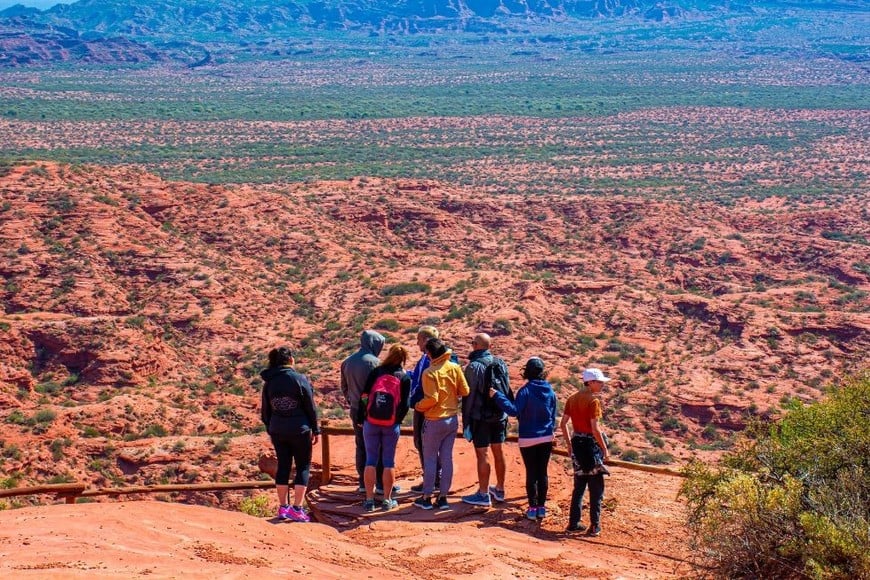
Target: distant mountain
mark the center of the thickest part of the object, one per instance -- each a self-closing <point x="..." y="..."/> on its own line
<point x="43" y="44"/>
<point x="180" y="28"/>
<point x="245" y="18"/>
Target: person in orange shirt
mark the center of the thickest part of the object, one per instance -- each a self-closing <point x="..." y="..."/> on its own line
<point x="588" y="450"/>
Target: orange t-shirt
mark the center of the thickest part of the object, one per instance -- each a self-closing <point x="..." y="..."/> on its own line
<point x="582" y="408"/>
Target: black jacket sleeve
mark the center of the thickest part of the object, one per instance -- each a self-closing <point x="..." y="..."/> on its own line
<point x="265" y="406"/>
<point x="404" y="404"/>
<point x="309" y="407"/>
<point x="370" y="382"/>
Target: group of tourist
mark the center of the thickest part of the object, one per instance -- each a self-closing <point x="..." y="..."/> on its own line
<point x="438" y="390"/>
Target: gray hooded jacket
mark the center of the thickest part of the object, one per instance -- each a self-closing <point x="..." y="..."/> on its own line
<point x="355" y="369"/>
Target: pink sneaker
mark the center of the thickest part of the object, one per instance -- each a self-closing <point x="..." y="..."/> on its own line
<point x="298" y="515"/>
<point x="284" y="512"/>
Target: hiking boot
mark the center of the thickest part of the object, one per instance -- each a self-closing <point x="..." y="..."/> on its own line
<point x="594" y="531"/>
<point x="442" y="504"/>
<point x="532" y="513"/>
<point x="542" y="512"/>
<point x="297" y="514"/>
<point x="575" y="528"/>
<point x="481" y="499"/>
<point x="424" y="503"/>
<point x="369" y="505"/>
<point x="389" y="504"/>
<point x="284" y="512"/>
<point x="496" y="493"/>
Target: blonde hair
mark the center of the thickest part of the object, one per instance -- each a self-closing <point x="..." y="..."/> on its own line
<point x="428" y="331"/>
<point x="398" y="355"/>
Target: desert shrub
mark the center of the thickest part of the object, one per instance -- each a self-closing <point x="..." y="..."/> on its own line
<point x="793" y="500"/>
<point x="387" y="324"/>
<point x="256" y="506"/>
<point x="405" y="288"/>
<point x="44" y="416"/>
<point x="458" y="312"/>
<point x="630" y="455"/>
<point x="502" y="326"/>
<point x="154" y="430"/>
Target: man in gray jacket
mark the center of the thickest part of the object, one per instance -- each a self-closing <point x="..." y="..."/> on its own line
<point x="355" y="371"/>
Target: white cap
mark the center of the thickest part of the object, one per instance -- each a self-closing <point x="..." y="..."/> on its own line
<point x="594" y="375"/>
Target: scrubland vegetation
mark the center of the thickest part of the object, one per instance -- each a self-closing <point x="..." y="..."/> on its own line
<point x="793" y="500"/>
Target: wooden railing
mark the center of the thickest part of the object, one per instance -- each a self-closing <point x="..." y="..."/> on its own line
<point x="326" y="471"/>
<point x="71" y="491"/>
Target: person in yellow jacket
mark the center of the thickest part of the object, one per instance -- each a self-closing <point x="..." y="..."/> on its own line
<point x="443" y="387"/>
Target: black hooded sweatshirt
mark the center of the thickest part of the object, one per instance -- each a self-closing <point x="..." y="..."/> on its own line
<point x="287" y="407"/>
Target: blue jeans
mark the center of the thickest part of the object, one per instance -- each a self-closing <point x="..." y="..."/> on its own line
<point x="439" y="435"/>
<point x="380" y="444"/>
<point x="596" y="497"/>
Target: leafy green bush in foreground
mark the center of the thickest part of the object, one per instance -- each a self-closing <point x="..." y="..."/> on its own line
<point x="794" y="500"/>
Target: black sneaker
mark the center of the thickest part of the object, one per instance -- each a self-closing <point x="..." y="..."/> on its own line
<point x="576" y="528"/>
<point x="594" y="531"/>
<point x="417" y="488"/>
<point x="442" y="503"/>
<point x="424" y="503"/>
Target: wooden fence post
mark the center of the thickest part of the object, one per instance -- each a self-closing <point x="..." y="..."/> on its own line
<point x="325" y="470"/>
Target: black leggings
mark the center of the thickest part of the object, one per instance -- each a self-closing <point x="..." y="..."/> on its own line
<point x="536" y="458"/>
<point x="292" y="448"/>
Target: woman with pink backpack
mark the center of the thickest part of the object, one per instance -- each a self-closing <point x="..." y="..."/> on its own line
<point x="383" y="406"/>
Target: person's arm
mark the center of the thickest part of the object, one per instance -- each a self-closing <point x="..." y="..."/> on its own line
<point x="265" y="406"/>
<point x="512" y="409"/>
<point x="310" y="410"/>
<point x="345" y="388"/>
<point x="564" y="427"/>
<point x="552" y="405"/>
<point x="470" y="374"/>
<point x="462" y="389"/>
<point x="596" y="432"/>
<point x="430" y="393"/>
<point x="362" y="407"/>
<point x="405" y="391"/>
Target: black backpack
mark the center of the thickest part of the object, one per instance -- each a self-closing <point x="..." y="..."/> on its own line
<point x="496" y="377"/>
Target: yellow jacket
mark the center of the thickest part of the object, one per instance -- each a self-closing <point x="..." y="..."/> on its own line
<point x="443" y="385"/>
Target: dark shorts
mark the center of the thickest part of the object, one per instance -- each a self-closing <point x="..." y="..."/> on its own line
<point x="485" y="433"/>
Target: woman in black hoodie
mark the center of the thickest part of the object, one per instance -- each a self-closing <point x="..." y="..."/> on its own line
<point x="290" y="417"/>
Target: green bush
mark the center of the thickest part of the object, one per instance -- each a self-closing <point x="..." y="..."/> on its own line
<point x="256" y="506"/>
<point x="387" y="324"/>
<point x="406" y="288"/>
<point x="793" y="500"/>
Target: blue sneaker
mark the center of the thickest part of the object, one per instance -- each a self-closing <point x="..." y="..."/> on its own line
<point x="369" y="505"/>
<point x="496" y="493"/>
<point x="481" y="499"/>
<point x="542" y="512"/>
<point x="532" y="513"/>
<point x="389" y="504"/>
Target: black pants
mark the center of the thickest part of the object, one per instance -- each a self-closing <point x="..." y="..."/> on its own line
<point x="536" y="459"/>
<point x="361" y="459"/>
<point x="290" y="449"/>
<point x="419" y="418"/>
<point x="596" y="495"/>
